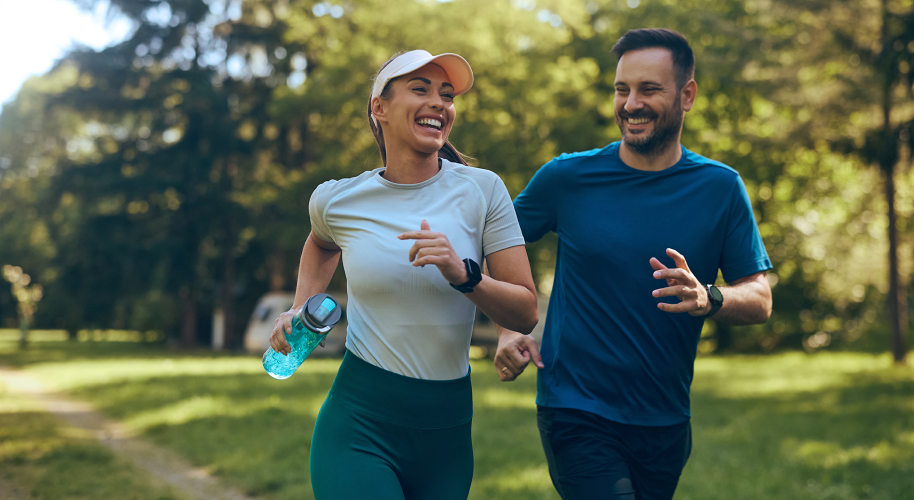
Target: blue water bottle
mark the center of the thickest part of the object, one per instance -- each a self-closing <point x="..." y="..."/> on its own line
<point x="309" y="327"/>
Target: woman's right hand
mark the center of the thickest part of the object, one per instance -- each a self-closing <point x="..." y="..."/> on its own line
<point x="282" y="327"/>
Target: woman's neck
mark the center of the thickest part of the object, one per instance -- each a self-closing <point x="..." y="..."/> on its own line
<point x="408" y="166"/>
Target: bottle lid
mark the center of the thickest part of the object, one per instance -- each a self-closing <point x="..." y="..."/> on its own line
<point x="321" y="312"/>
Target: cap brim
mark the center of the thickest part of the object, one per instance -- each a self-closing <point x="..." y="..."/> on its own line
<point x="457" y="68"/>
<point x="458" y="71"/>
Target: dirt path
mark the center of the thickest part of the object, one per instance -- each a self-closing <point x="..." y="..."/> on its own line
<point x="159" y="462"/>
<point x="9" y="491"/>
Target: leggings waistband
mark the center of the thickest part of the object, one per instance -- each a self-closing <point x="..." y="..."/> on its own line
<point x="413" y="402"/>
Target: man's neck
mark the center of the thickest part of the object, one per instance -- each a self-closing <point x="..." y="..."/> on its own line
<point x="408" y="166"/>
<point x="651" y="163"/>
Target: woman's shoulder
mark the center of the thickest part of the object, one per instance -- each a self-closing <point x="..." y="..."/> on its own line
<point x="481" y="176"/>
<point x="337" y="186"/>
<point x="336" y="189"/>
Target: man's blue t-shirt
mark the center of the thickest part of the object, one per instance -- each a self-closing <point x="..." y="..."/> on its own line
<point x="606" y="347"/>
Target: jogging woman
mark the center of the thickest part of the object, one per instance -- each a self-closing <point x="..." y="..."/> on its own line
<point x="412" y="235"/>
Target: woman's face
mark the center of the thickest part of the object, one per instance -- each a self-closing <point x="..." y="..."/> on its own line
<point x="421" y="111"/>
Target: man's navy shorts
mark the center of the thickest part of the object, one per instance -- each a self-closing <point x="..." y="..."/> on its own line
<point x="593" y="458"/>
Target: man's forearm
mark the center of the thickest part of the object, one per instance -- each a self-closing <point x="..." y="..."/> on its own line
<point x="747" y="301"/>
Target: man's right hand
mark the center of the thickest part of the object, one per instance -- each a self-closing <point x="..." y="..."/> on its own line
<point x="514" y="351"/>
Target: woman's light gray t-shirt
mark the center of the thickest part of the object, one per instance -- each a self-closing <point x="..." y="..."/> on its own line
<point x="407" y="319"/>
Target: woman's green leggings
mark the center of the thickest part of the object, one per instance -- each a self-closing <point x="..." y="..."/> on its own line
<point x="384" y="436"/>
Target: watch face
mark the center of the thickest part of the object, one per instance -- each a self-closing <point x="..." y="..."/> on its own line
<point x="474" y="276"/>
<point x="715" y="294"/>
<point x="473" y="271"/>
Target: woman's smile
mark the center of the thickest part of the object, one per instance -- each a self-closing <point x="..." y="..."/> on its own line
<point x="430" y="125"/>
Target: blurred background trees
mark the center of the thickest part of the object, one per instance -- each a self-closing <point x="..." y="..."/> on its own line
<point x="153" y="183"/>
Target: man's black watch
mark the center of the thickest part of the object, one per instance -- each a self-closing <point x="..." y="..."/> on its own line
<point x="716" y="298"/>
<point x="474" y="276"/>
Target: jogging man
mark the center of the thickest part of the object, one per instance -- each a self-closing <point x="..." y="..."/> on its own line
<point x="643" y="227"/>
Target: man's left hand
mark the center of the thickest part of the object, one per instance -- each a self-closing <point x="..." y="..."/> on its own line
<point x="681" y="283"/>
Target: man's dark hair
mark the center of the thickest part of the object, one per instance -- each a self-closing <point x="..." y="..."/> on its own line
<point x="683" y="58"/>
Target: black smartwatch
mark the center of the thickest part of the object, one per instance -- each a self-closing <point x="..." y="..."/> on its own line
<point x="474" y="276"/>
<point x="716" y="298"/>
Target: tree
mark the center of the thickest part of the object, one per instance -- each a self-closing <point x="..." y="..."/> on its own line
<point x="849" y="47"/>
<point x="893" y="63"/>
<point x="167" y="136"/>
<point x="27" y="296"/>
<point x="169" y="176"/>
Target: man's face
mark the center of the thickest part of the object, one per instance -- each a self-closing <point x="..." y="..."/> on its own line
<point x="648" y="106"/>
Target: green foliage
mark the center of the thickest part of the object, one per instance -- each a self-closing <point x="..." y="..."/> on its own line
<point x="147" y="185"/>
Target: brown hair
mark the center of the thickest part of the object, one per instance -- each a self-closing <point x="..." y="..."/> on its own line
<point x="448" y="151"/>
<point x="683" y="57"/>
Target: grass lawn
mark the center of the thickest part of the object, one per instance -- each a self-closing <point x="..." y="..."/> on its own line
<point x="789" y="426"/>
<point x="46" y="461"/>
<point x="40" y="458"/>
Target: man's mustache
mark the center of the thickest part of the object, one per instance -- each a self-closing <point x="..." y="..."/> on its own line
<point x="638" y="114"/>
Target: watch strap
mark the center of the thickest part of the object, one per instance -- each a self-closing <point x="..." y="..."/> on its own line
<point x="715" y="298"/>
<point x="474" y="276"/>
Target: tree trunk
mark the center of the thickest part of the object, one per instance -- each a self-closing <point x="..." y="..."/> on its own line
<point x="724" y="337"/>
<point x="302" y="155"/>
<point x="277" y="270"/>
<point x="888" y="158"/>
<point x="189" y="321"/>
<point x="232" y="337"/>
<point x="23" y="332"/>
<point x="897" y="302"/>
<point x="228" y="283"/>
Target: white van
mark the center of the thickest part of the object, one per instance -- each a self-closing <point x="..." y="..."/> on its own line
<point x="260" y="326"/>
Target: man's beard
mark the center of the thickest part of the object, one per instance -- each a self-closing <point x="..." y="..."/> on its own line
<point x="663" y="136"/>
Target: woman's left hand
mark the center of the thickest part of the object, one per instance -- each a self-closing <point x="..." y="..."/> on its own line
<point x="434" y="248"/>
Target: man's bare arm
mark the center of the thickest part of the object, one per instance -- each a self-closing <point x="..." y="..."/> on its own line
<point x="747" y="300"/>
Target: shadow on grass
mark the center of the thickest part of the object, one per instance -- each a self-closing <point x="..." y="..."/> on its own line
<point x="46" y="463"/>
<point x="255" y="432"/>
<point x="510" y="463"/>
<point x="763" y="429"/>
<point x="251" y="430"/>
<point x="58" y="352"/>
<point x="849" y="441"/>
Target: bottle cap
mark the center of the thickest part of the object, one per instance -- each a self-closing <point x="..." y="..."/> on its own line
<point x="321" y="313"/>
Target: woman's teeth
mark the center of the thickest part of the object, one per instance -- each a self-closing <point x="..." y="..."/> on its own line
<point x="429" y="122"/>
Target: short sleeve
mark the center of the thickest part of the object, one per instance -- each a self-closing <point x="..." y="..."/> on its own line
<point x="536" y="206"/>
<point x="501" y="230"/>
<point x="744" y="252"/>
<point x="317" y="207"/>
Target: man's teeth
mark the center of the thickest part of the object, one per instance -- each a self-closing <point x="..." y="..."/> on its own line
<point x="431" y="122"/>
<point x="638" y="121"/>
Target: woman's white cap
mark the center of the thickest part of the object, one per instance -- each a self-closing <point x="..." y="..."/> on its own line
<point x="457" y="68"/>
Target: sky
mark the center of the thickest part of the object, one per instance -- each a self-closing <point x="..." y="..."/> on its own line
<point x="36" y="33"/>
